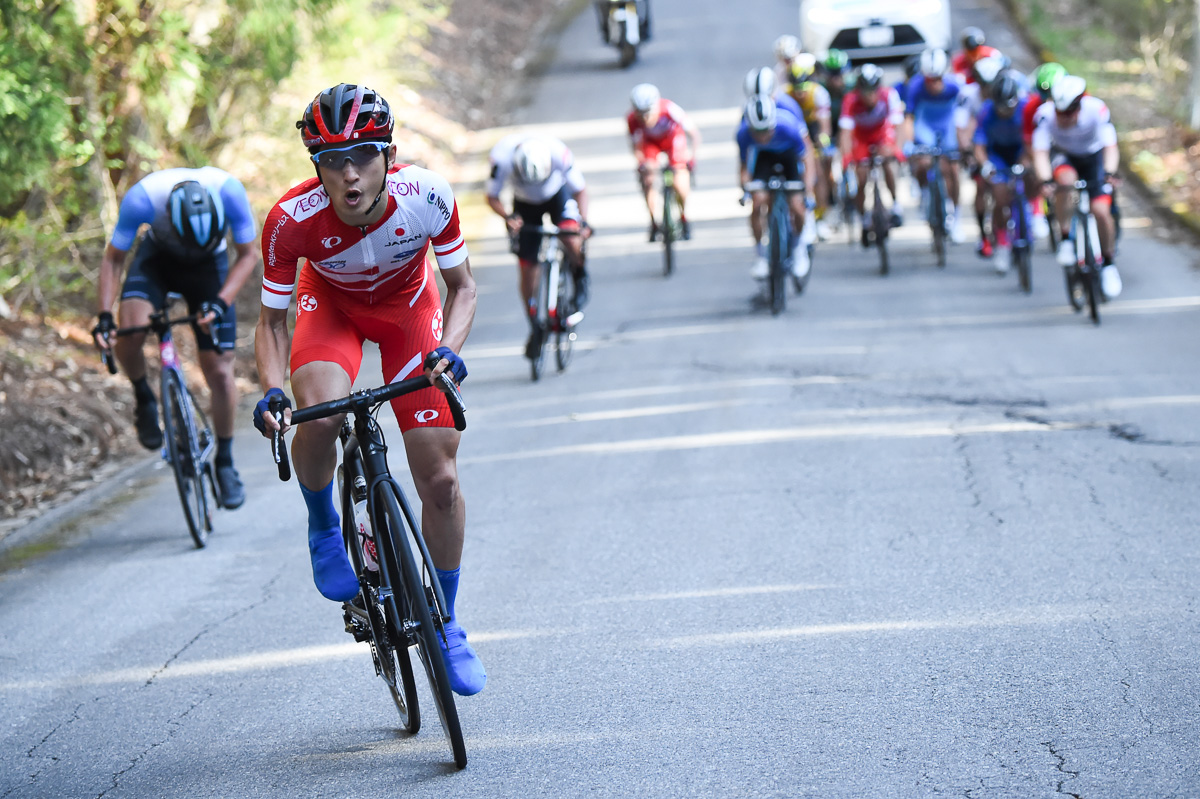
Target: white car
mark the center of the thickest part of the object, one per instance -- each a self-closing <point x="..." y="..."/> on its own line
<point x="870" y="29"/>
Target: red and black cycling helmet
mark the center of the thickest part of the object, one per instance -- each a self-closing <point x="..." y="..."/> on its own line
<point x="343" y="114"/>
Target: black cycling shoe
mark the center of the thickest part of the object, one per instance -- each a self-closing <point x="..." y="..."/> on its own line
<point x="229" y="483"/>
<point x="581" y="290"/>
<point x="534" y="344"/>
<point x="654" y="232"/>
<point x="145" y="419"/>
<point x="687" y="230"/>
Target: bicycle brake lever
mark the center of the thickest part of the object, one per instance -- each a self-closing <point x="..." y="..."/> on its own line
<point x="278" y="445"/>
<point x="458" y="409"/>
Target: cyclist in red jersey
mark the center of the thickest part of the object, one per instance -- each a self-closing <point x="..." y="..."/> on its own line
<point x="659" y="127"/>
<point x="974" y="48"/>
<point x="364" y="226"/>
<point x="870" y="117"/>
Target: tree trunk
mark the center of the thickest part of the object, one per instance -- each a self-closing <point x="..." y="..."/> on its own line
<point x="1195" y="120"/>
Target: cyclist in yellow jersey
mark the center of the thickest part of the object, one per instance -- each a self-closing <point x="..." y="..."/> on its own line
<point x="815" y="104"/>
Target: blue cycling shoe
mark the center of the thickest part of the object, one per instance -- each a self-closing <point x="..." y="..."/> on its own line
<point x="332" y="572"/>
<point x="467" y="675"/>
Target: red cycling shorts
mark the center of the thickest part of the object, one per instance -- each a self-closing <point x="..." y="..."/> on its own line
<point x="332" y="324"/>
<point x="675" y="148"/>
<point x="884" y="143"/>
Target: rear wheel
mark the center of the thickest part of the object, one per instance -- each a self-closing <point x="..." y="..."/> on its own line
<point x="183" y="450"/>
<point x="417" y="597"/>
<point x="1023" y="245"/>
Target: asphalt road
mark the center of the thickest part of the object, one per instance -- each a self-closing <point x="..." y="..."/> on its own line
<point x="920" y="535"/>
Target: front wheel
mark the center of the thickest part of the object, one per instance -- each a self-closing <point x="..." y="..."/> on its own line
<point x="777" y="254"/>
<point x="389" y="649"/>
<point x="181" y="436"/>
<point x="417" y="596"/>
<point x="628" y="54"/>
<point x="937" y="221"/>
<point x="668" y="230"/>
<point x="880" y="223"/>
<point x="1023" y="256"/>
<point x="564" y="331"/>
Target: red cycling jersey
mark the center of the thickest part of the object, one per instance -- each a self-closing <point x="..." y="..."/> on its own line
<point x="368" y="283"/>
<point x="963" y="61"/>
<point x="667" y="135"/>
<point x="1028" y="123"/>
<point x="872" y="125"/>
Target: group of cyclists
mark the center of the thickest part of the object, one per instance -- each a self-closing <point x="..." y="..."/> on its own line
<point x="971" y="111"/>
<point x="351" y="244"/>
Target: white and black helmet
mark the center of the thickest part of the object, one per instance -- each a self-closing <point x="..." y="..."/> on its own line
<point x="759" y="81"/>
<point x="644" y="97"/>
<point x="934" y="63"/>
<point x="787" y="47"/>
<point x="760" y="114"/>
<point x="988" y="69"/>
<point x="197" y="217"/>
<point x="1067" y="91"/>
<point x="533" y="160"/>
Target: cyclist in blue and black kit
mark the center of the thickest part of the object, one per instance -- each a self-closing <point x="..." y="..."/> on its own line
<point x="189" y="212"/>
<point x="929" y="119"/>
<point x="999" y="145"/>
<point x="771" y="143"/>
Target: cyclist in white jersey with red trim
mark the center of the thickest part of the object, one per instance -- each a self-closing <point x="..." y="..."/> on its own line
<point x="544" y="181"/>
<point x="1074" y="138"/>
<point x="364" y="226"/>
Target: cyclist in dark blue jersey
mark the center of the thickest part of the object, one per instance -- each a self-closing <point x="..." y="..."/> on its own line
<point x="999" y="145"/>
<point x="771" y="143"/>
<point x="189" y="212"/>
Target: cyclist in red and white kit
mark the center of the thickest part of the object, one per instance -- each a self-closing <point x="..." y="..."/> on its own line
<point x="363" y="226"/>
<point x="660" y="127"/>
<point x="871" y="115"/>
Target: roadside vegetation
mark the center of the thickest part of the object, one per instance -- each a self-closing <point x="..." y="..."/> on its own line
<point x="1137" y="55"/>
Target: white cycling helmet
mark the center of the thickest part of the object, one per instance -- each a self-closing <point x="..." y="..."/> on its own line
<point x="934" y="63"/>
<point x="986" y="69"/>
<point x="759" y="81"/>
<point x="533" y="160"/>
<point x="1066" y="91"/>
<point x="760" y="114"/>
<point x="787" y="47"/>
<point x="644" y="97"/>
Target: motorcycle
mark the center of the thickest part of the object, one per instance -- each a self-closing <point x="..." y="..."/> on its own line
<point x="624" y="24"/>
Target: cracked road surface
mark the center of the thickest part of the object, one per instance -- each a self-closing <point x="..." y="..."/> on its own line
<point x="918" y="536"/>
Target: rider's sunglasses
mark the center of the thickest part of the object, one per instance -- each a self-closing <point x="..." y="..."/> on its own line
<point x="359" y="155"/>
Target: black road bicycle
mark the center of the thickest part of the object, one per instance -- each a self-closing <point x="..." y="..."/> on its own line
<point x="670" y="225"/>
<point x="935" y="213"/>
<point x="880" y="219"/>
<point x="779" y="237"/>
<point x="189" y="443"/>
<point x="1020" y="232"/>
<point x="1083" y="277"/>
<point x="400" y="604"/>
<point x="554" y="304"/>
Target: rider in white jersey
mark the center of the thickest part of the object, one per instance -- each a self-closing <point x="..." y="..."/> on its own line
<point x="544" y="181"/>
<point x="1074" y="139"/>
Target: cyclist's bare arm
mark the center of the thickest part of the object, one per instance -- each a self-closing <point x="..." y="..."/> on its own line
<point x="458" y="313"/>
<point x="1112" y="159"/>
<point x="810" y="173"/>
<point x="581" y="199"/>
<point x="110" y="268"/>
<point x="1041" y="165"/>
<point x="272" y="343"/>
